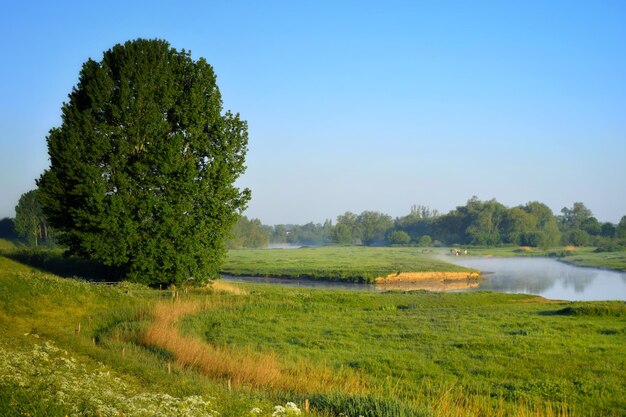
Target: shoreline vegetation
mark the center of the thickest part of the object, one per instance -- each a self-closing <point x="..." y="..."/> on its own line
<point x="358" y="264"/>
<point x="385" y="265"/>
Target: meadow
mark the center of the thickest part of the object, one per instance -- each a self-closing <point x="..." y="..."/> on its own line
<point x="72" y="347"/>
<point x="335" y="263"/>
<point x="489" y="353"/>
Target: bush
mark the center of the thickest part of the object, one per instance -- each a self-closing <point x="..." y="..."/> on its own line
<point x="425" y="241"/>
<point x="398" y="237"/>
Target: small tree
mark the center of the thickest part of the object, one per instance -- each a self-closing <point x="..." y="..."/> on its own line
<point x="425" y="241"/>
<point x="620" y="230"/>
<point x="398" y="237"/>
<point x="143" y="166"/>
<point x="30" y="223"/>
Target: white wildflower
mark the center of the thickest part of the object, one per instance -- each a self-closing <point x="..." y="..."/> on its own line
<point x="279" y="411"/>
<point x="292" y="409"/>
<point x="256" y="410"/>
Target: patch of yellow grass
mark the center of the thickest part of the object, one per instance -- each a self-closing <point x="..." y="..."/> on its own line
<point x="427" y="276"/>
<point x="243" y="367"/>
<point x="225" y="287"/>
<point x="570" y="248"/>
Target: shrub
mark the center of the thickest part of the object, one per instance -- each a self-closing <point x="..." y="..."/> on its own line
<point x="398" y="237"/>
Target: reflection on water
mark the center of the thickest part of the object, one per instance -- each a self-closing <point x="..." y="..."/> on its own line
<point x="546" y="277"/>
<point x="301" y="283"/>
<point x="437" y="286"/>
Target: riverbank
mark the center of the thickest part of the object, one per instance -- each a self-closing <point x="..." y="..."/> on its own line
<point x="580" y="256"/>
<point x="359" y="264"/>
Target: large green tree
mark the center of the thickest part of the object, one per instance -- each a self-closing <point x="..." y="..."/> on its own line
<point x="142" y="168"/>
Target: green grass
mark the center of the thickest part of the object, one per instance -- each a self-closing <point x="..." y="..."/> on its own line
<point x="337" y="263"/>
<point x="484" y="347"/>
<point x="417" y="353"/>
<point x="6" y="245"/>
<point x="38" y="308"/>
<point x="608" y="260"/>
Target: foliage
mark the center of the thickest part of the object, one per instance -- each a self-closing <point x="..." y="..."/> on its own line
<point x="30" y="223"/>
<point x="7" y="228"/>
<point x="425" y="241"/>
<point x="620" y="230"/>
<point x="248" y="234"/>
<point x="398" y="237"/>
<point x="143" y="165"/>
<point x="61" y="382"/>
<point x="373" y="226"/>
<point x="578" y="238"/>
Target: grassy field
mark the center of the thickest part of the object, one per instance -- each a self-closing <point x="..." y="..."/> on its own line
<point x="70" y="347"/>
<point x="6" y="245"/>
<point x="337" y="263"/>
<point x="490" y="353"/>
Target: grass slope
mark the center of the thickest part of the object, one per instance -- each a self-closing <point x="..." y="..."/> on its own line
<point x="488" y="351"/>
<point x="50" y="368"/>
<point x="338" y="263"/>
<point x="391" y="354"/>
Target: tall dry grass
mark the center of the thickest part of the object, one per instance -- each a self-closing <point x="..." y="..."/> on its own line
<point x="243" y="368"/>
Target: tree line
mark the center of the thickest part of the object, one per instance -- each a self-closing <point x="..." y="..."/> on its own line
<point x="479" y="223"/>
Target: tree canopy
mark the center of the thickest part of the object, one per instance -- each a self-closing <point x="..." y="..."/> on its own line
<point x="30" y="223"/>
<point x="142" y="168"/>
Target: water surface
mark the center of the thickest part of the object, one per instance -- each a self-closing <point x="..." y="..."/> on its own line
<point x="546" y="277"/>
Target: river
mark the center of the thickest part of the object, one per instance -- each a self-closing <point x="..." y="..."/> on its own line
<point x="546" y="277"/>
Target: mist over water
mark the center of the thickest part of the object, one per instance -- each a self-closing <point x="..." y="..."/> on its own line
<point x="548" y="278"/>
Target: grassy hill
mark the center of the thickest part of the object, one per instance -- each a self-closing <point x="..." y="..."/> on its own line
<point x="72" y="347"/>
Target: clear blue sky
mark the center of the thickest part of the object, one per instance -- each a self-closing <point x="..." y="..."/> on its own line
<point x="360" y="105"/>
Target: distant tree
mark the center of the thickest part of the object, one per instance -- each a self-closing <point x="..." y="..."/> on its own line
<point x="607" y="229"/>
<point x="516" y="223"/>
<point x="573" y="218"/>
<point x="425" y="241"/>
<point x="398" y="237"/>
<point x="279" y="234"/>
<point x="486" y="219"/>
<point x="418" y="222"/>
<point x="351" y="222"/>
<point x="546" y="223"/>
<point x="578" y="238"/>
<point x="374" y="225"/>
<point x="30" y="222"/>
<point x="248" y="234"/>
<point x="309" y="234"/>
<point x="7" y="228"/>
<point x="450" y="228"/>
<point x="592" y="226"/>
<point x="538" y="239"/>
<point x="620" y="230"/>
<point x="144" y="163"/>
<point x="343" y="234"/>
